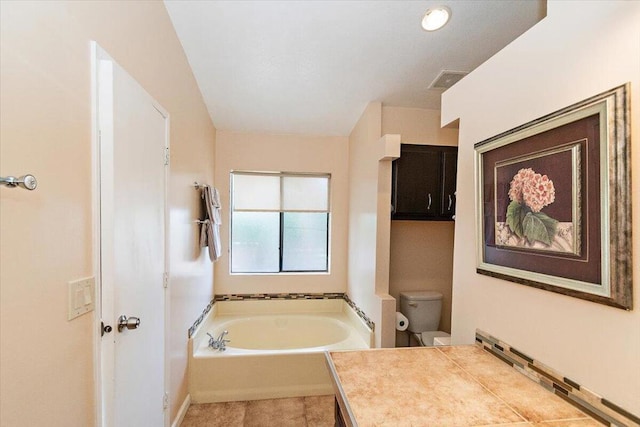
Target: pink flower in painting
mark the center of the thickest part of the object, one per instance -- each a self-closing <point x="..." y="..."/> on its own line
<point x="515" y="191"/>
<point x="533" y="189"/>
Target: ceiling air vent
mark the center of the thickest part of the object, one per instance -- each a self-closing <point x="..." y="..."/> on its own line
<point x="446" y="79"/>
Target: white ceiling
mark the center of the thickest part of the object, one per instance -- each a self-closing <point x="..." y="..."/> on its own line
<point x="310" y="67"/>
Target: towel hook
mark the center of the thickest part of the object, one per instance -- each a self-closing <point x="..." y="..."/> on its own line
<point x="27" y="182"/>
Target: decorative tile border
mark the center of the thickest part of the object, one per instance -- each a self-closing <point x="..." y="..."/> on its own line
<point x="281" y="296"/>
<point x="584" y="399"/>
<point x="361" y="313"/>
<point x="199" y="320"/>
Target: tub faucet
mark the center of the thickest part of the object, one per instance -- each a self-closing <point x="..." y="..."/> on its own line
<point x="218" y="343"/>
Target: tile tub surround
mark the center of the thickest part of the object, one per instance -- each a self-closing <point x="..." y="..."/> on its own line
<point x="242" y="374"/>
<point x="461" y="385"/>
<point x="598" y="407"/>
<point x="282" y="296"/>
<point x="298" y="296"/>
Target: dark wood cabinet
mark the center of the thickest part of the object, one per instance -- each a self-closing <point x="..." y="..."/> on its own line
<point x="424" y="183"/>
<point x="339" y="418"/>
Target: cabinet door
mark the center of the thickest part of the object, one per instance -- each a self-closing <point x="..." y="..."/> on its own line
<point x="339" y="417"/>
<point x="417" y="190"/>
<point x="449" y="171"/>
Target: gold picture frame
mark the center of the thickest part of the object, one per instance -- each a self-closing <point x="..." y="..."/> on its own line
<point x="553" y="202"/>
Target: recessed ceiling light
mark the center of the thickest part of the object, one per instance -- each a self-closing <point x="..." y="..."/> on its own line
<point x="436" y="18"/>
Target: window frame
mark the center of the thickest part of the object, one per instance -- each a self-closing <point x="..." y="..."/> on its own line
<point x="281" y="211"/>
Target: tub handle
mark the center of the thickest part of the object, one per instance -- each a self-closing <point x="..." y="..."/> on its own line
<point x="218" y="343"/>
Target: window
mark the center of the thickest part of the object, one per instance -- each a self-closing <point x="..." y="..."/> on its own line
<point x="279" y="222"/>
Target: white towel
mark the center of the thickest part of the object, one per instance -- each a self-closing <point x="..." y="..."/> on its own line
<point x="210" y="231"/>
<point x="217" y="219"/>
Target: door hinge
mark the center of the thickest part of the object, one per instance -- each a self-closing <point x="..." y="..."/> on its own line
<point x="165" y="280"/>
<point x="166" y="156"/>
<point x="165" y="400"/>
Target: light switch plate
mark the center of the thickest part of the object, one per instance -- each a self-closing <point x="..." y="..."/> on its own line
<point x="81" y="296"/>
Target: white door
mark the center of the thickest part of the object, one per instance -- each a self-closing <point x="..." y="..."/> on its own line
<point x="133" y="138"/>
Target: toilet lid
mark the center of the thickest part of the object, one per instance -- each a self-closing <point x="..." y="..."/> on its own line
<point x="421" y="295"/>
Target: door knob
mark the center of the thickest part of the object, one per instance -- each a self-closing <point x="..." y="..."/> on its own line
<point x="129" y="323"/>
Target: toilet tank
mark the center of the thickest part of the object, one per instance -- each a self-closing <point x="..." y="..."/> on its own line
<point x="422" y="308"/>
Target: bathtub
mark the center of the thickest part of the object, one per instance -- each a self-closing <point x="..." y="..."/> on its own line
<point x="276" y="349"/>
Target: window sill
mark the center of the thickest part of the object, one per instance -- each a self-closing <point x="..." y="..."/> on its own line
<point x="287" y="273"/>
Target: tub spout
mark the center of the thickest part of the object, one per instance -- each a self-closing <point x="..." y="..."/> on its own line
<point x="218" y="343"/>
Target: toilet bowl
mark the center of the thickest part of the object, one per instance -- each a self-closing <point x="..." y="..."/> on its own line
<point x="428" y="339"/>
<point x="423" y="309"/>
<point x="442" y="341"/>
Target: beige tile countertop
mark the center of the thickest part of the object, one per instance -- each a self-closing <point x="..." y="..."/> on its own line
<point x="442" y="386"/>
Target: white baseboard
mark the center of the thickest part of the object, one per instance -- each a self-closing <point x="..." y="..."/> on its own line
<point x="182" y="411"/>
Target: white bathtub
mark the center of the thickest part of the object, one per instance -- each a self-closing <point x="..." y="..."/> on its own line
<point x="276" y="349"/>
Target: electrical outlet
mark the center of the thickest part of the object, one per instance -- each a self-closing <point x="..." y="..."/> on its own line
<point x="81" y="296"/>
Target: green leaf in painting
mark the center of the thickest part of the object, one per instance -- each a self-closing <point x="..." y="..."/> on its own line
<point x="550" y="224"/>
<point x="534" y="229"/>
<point x="539" y="227"/>
<point x="515" y="214"/>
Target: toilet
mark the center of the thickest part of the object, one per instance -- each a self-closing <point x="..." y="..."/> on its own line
<point x="423" y="308"/>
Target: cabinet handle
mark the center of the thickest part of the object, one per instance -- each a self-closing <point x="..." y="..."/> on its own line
<point x="429" y="206"/>
<point x="450" y="202"/>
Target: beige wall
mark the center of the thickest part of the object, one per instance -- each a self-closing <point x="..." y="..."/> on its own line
<point x="417" y="126"/>
<point x="286" y="153"/>
<point x="364" y="170"/>
<point x="421" y="251"/>
<point x="421" y="260"/>
<point x="46" y="362"/>
<point x="580" y="49"/>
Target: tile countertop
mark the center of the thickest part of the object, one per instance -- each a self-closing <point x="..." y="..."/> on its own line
<point x="443" y="386"/>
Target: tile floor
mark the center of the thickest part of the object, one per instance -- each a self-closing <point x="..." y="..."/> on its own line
<point x="310" y="411"/>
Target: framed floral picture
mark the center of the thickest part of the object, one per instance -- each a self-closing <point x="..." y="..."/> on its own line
<point x="553" y="204"/>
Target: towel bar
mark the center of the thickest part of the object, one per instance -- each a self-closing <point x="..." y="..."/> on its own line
<point x="27" y="182"/>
